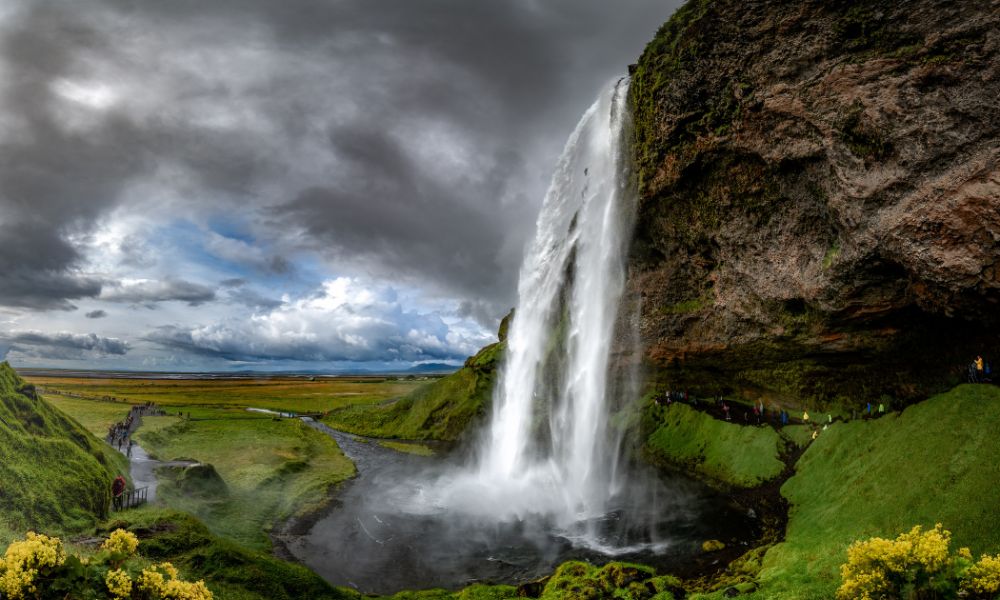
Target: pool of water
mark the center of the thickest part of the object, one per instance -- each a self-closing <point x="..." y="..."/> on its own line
<point x="378" y="537"/>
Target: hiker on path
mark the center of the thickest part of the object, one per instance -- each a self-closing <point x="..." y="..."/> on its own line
<point x="805" y="417"/>
<point x="979" y="369"/>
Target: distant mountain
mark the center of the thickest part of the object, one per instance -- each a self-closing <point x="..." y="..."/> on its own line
<point x="433" y="368"/>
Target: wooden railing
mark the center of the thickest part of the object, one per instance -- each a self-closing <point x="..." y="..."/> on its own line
<point x="130" y="499"/>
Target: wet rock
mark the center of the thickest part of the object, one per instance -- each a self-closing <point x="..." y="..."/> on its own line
<point x="819" y="219"/>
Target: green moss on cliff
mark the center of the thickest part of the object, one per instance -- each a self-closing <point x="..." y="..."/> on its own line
<point x="54" y="475"/>
<point x="441" y="410"/>
<point x="726" y="453"/>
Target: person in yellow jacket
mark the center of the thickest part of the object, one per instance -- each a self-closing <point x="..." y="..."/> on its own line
<point x="805" y="416"/>
<point x="979" y="368"/>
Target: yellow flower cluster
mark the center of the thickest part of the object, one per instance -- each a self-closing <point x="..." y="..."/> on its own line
<point x="983" y="578"/>
<point x="121" y="542"/>
<point x="873" y="565"/>
<point x="119" y="584"/>
<point x="20" y="564"/>
<point x="160" y="581"/>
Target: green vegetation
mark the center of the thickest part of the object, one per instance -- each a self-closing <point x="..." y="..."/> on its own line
<point x="407" y="447"/>
<point x="672" y="49"/>
<point x="230" y="570"/>
<point x="937" y="462"/>
<point x="917" y="564"/>
<point x="293" y="394"/>
<point x="684" y="307"/>
<point x="725" y="453"/>
<point x="54" y="475"/>
<point x="273" y="469"/>
<point x="580" y="581"/>
<point x="441" y="410"/>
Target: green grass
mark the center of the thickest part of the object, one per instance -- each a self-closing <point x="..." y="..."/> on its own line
<point x="273" y="469"/>
<point x="408" y="447"/>
<point x="726" y="453"/>
<point x="937" y="462"/>
<point x="277" y="393"/>
<point x="441" y="410"/>
<point x="231" y="571"/>
<point x="54" y="476"/>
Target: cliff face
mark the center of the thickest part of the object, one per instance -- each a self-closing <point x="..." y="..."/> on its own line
<point x="819" y="213"/>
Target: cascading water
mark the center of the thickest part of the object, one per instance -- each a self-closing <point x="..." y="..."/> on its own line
<point x="542" y="486"/>
<point x="582" y="233"/>
<point x="547" y="452"/>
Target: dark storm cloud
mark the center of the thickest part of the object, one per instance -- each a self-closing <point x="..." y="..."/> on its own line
<point x="96" y="314"/>
<point x="413" y="138"/>
<point x="248" y="297"/>
<point x="149" y="292"/>
<point x="62" y="344"/>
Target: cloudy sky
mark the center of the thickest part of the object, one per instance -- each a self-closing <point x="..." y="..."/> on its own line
<point x="295" y="185"/>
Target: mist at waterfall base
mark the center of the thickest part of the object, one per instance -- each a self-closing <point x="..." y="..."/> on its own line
<point x="544" y="482"/>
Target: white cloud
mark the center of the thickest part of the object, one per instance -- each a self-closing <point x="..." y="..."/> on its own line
<point x="346" y="320"/>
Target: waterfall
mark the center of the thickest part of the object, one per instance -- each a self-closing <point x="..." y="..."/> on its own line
<point x="581" y="237"/>
<point x="547" y="452"/>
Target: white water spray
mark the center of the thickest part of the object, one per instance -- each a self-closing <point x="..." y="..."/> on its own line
<point x="556" y="368"/>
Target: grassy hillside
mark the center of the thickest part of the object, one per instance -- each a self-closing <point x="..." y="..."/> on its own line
<point x="724" y="453"/>
<point x="230" y="570"/>
<point x="440" y="410"/>
<point x="272" y="470"/>
<point x="55" y="476"/>
<point x="937" y="462"/>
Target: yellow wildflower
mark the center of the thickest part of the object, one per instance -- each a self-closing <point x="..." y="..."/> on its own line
<point x="22" y="561"/>
<point x="161" y="581"/>
<point x="983" y="578"/>
<point x="121" y="542"/>
<point x="119" y="584"/>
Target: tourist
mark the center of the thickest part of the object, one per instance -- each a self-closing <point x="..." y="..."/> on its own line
<point x="881" y="409"/>
<point x="805" y="417"/>
<point x="725" y="410"/>
<point x="979" y="369"/>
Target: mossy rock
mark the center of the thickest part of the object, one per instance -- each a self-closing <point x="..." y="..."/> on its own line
<point x="201" y="480"/>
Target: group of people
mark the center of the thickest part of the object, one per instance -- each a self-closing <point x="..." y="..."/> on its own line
<point x="120" y="434"/>
<point x="980" y="371"/>
<point x="760" y="414"/>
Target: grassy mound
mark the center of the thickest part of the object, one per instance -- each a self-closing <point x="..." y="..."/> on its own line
<point x="725" y="453"/>
<point x="273" y="469"/>
<point x="231" y="571"/>
<point x="55" y="476"/>
<point x="937" y="462"/>
<point x="440" y="410"/>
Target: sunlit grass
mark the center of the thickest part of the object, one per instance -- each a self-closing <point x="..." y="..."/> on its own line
<point x="278" y="393"/>
<point x="937" y="462"/>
